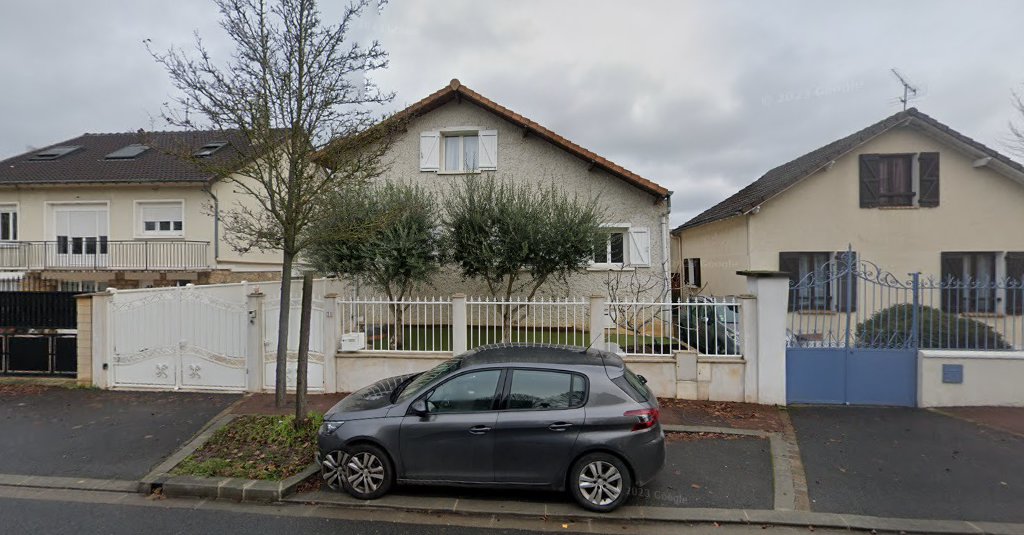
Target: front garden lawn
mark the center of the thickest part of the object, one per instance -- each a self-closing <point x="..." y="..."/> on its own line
<point x="255" y="447"/>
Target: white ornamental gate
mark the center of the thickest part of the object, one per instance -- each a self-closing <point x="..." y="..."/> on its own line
<point x="188" y="338"/>
<point x="316" y="372"/>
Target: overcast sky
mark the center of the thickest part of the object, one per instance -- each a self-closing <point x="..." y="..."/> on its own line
<point x="701" y="97"/>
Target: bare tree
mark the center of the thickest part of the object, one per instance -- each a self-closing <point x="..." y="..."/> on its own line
<point x="292" y="85"/>
<point x="1017" y="126"/>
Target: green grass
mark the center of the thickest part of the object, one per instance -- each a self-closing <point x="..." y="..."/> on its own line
<point x="437" y="338"/>
<point x="255" y="447"/>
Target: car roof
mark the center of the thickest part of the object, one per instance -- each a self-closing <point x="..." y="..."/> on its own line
<point x="542" y="355"/>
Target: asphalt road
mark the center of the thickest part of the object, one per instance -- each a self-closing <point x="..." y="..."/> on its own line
<point x="98" y="433"/>
<point x="93" y="515"/>
<point x="909" y="463"/>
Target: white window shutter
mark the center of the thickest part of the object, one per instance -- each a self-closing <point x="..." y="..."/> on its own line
<point x="488" y="150"/>
<point x="639" y="246"/>
<point x="430" y="153"/>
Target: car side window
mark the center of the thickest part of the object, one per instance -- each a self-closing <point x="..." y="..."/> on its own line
<point x="470" y="392"/>
<point x="541" y="390"/>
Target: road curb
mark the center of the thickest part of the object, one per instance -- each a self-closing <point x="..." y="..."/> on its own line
<point x="245" y="490"/>
<point x="67" y="483"/>
<point x="162" y="473"/>
<point x="569" y="512"/>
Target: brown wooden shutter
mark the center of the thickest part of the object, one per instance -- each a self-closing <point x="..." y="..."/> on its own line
<point x="869" y="180"/>
<point x="790" y="263"/>
<point x="928" y="196"/>
<point x="1015" y="286"/>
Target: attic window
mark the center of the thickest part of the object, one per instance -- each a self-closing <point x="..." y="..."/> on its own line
<point x="53" y="153"/>
<point x="209" y="149"/>
<point x="127" y="153"/>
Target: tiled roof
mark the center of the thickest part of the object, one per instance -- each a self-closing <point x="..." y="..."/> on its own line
<point x="788" y="174"/>
<point x="455" y="90"/>
<point x="162" y="163"/>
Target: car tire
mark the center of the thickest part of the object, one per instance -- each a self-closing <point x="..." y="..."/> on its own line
<point x="367" y="473"/>
<point x="600" y="482"/>
<point x="330" y="469"/>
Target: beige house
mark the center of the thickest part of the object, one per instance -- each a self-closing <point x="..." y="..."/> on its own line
<point x="123" y="210"/>
<point x="907" y="193"/>
<point x="457" y="131"/>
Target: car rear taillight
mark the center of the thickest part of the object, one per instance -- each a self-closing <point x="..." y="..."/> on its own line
<point x="645" y="418"/>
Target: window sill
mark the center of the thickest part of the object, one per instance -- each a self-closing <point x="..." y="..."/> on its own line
<point x="453" y="173"/>
<point x="158" y="237"/>
<point x="816" y="312"/>
<point x="982" y="315"/>
<point x="610" y="267"/>
<point x="898" y="207"/>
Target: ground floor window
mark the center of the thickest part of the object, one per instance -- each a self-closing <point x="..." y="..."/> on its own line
<point x="969" y="280"/>
<point x="612" y="250"/>
<point x="821" y="281"/>
<point x="691" y="272"/>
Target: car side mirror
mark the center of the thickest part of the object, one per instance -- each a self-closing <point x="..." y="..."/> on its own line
<point x="419" y="407"/>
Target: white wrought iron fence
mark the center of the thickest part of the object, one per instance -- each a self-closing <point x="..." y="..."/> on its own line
<point x="564" y="322"/>
<point x="640" y="328"/>
<point x="379" y="324"/>
<point x="709" y="325"/>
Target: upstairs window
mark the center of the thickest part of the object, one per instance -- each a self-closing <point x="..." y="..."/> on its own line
<point x="461" y="153"/>
<point x="459" y="150"/>
<point x="161" y="219"/>
<point x="8" y="222"/>
<point x="893" y="180"/>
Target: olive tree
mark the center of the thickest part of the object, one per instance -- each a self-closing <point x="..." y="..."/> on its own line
<point x="516" y="236"/>
<point x="385" y="236"/>
<point x="292" y="84"/>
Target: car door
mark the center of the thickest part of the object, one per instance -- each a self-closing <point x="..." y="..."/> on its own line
<point x="454" y="440"/>
<point x="537" y="430"/>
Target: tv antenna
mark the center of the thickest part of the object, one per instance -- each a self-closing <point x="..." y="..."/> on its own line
<point x="909" y="91"/>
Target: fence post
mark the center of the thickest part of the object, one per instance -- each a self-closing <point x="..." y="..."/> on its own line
<point x="915" y="327"/>
<point x="254" y="358"/>
<point x="771" y="288"/>
<point x="748" y="345"/>
<point x="597" y="309"/>
<point x="332" y="336"/>
<point x="459" y="324"/>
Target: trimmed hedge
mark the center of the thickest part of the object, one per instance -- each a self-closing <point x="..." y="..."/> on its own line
<point x="891" y="327"/>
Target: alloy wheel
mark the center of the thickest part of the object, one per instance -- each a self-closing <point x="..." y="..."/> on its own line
<point x="331" y="468"/>
<point x="364" y="472"/>
<point x="600" y="483"/>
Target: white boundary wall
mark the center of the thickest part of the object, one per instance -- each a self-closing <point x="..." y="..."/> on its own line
<point x="988" y="378"/>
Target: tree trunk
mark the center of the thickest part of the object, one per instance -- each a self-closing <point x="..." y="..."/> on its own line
<point x="281" y="383"/>
<point x="303" y="363"/>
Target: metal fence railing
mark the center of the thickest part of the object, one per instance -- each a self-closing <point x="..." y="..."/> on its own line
<point x="564" y="322"/>
<point x="855" y="304"/>
<point x="415" y="325"/>
<point x="708" y="326"/>
<point x="93" y="253"/>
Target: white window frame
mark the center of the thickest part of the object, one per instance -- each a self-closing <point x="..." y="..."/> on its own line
<point x="460" y="133"/>
<point x="609" y="265"/>
<point x="14" y="209"/>
<point x="140" y="225"/>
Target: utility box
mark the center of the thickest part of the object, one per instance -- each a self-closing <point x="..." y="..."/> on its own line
<point x="352" y="342"/>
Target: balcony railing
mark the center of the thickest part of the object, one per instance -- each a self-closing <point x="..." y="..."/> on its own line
<point x="104" y="255"/>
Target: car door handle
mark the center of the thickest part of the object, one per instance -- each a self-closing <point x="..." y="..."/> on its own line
<point x="479" y="430"/>
<point x="560" y="426"/>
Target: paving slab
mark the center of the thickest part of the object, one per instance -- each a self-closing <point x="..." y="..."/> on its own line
<point x="909" y="463"/>
<point x="98" y="433"/>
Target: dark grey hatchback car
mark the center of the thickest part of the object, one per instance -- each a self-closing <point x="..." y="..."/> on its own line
<point x="501" y="416"/>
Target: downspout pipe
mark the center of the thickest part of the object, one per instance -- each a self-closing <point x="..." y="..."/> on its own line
<point x="216" y="223"/>
<point x="666" y="248"/>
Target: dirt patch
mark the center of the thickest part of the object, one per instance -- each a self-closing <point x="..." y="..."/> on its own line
<point x="673" y="436"/>
<point x="10" y="390"/>
<point x="264" y="404"/>
<point x="721" y="414"/>
<point x="310" y="484"/>
<point x="255" y="447"/>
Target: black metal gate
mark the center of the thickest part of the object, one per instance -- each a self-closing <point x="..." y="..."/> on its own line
<point x="38" y="333"/>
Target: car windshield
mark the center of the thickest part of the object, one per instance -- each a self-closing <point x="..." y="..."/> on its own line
<point x="425" y="378"/>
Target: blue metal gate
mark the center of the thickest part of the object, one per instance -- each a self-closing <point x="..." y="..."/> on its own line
<point x="853" y="329"/>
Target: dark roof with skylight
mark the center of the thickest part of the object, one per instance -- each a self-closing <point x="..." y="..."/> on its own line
<point x="130" y="157"/>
